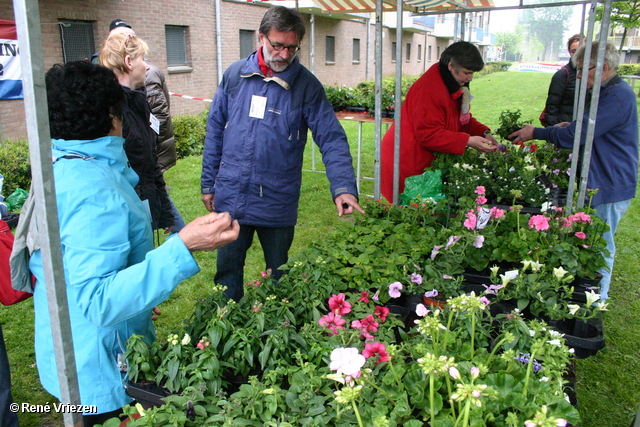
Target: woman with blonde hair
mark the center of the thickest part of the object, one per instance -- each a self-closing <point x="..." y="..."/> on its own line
<point x="124" y="54"/>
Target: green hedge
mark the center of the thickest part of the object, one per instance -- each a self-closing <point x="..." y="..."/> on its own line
<point x="189" y="133"/>
<point x="629" y="70"/>
<point x="15" y="165"/>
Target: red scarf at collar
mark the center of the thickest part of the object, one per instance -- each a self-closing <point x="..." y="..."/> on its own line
<point x="264" y="68"/>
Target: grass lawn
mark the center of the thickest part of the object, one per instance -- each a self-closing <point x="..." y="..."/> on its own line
<point x="608" y="383"/>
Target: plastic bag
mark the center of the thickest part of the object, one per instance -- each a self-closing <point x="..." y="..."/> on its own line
<point x="426" y="187"/>
<point x="16" y="199"/>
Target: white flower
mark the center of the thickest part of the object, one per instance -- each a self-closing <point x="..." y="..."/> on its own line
<point x="421" y="310"/>
<point x="555" y="334"/>
<point x="508" y="276"/>
<point x="347" y="361"/>
<point x="455" y="374"/>
<point x="559" y="272"/>
<point x="592" y="297"/>
<point x="186" y="339"/>
<point x="602" y="306"/>
<point x="525" y="264"/>
<point x="573" y="308"/>
<point x="555" y="342"/>
<point x="529" y="168"/>
<point x="536" y="266"/>
<point x="494" y="270"/>
<point x="545" y="206"/>
<point x="544" y="379"/>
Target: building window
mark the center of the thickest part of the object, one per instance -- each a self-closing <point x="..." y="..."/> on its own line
<point x="331" y="49"/>
<point x="419" y="52"/>
<point x="393" y="51"/>
<point x="438" y="53"/>
<point x="429" y="53"/>
<point x="356" y="51"/>
<point x="246" y="43"/>
<point x="77" y="40"/>
<point x="176" y="38"/>
<point x="408" y="52"/>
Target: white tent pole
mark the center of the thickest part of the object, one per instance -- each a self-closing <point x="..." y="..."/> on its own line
<point x="27" y="17"/>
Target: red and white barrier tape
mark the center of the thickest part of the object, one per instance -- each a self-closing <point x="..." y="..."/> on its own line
<point x="190" y="97"/>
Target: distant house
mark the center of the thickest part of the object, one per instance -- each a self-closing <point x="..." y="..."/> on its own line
<point x="338" y="48"/>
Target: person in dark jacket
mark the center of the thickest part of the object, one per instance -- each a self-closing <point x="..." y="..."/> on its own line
<point x="613" y="167"/>
<point x="559" y="105"/>
<point x="8" y="412"/>
<point x="124" y="55"/>
<point x="256" y="133"/>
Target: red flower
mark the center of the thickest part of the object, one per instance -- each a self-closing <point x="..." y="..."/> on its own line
<point x="382" y="313"/>
<point x="364" y="296"/>
<point x="339" y="305"/>
<point x="376" y="348"/>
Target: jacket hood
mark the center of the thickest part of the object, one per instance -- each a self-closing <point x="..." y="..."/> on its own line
<point x="108" y="149"/>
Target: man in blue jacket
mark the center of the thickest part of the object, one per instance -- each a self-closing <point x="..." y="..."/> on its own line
<point x="613" y="169"/>
<point x="256" y="133"/>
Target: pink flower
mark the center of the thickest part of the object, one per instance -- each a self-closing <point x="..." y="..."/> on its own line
<point x="581" y="218"/>
<point x="496" y="212"/>
<point x="480" y="190"/>
<point x="339" y="304"/>
<point x="421" y="310"/>
<point x="202" y="344"/>
<point x="394" y="289"/>
<point x="266" y="274"/>
<point x="381" y="313"/>
<point x="470" y="222"/>
<point x="540" y="222"/>
<point x="478" y="241"/>
<point x="333" y="322"/>
<point x="481" y="200"/>
<point x="376" y="296"/>
<point x="435" y="251"/>
<point x="364" y="297"/>
<point x="347" y="361"/>
<point x="368" y="324"/>
<point x="376" y="349"/>
<point x="581" y="235"/>
<point x="451" y="241"/>
<point x="416" y="278"/>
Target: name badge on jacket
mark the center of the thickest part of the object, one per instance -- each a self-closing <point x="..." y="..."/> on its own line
<point x="258" y="105"/>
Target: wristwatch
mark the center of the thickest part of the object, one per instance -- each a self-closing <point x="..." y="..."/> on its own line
<point x="486" y="132"/>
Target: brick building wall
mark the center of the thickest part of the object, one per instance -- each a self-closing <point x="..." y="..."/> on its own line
<point x="200" y="79"/>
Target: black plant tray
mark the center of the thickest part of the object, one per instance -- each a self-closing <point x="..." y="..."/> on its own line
<point x="582" y="285"/>
<point x="147" y="394"/>
<point x="585" y="337"/>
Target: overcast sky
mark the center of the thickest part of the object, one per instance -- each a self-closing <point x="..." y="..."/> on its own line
<point x="505" y="20"/>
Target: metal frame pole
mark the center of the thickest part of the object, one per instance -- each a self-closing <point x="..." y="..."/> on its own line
<point x="27" y="16"/>
<point x="398" y="104"/>
<point x="378" y="101"/>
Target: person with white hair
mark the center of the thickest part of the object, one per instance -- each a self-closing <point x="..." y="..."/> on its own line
<point x="613" y="168"/>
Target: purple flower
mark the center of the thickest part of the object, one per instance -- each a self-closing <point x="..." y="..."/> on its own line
<point x="432" y="293"/>
<point x="451" y="241"/>
<point x="478" y="241"/>
<point x="416" y="278"/>
<point x="394" y="289"/>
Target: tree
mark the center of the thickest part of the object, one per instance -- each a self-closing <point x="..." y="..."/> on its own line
<point x="625" y="14"/>
<point x="510" y="44"/>
<point x="548" y="24"/>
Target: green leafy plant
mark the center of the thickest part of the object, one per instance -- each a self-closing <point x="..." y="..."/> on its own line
<point x="189" y="133"/>
<point x="16" y="169"/>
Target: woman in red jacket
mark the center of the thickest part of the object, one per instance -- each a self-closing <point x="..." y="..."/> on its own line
<point x="436" y="118"/>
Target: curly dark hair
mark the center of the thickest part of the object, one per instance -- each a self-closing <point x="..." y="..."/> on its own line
<point x="82" y="98"/>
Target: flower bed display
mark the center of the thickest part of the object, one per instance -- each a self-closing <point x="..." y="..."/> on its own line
<point x="333" y="344"/>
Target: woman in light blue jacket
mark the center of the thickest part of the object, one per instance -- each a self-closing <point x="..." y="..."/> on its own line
<point x="114" y="276"/>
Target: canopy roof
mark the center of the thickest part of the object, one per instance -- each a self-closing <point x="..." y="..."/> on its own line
<point x="390" y="5"/>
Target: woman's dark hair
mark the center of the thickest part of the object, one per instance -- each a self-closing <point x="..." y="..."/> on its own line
<point x="82" y="98"/>
<point x="282" y="19"/>
<point x="463" y="55"/>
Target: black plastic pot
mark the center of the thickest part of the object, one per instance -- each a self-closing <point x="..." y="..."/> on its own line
<point x="147" y="394"/>
<point x="585" y="337"/>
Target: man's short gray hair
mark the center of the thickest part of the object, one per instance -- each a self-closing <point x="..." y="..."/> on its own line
<point x="611" y="56"/>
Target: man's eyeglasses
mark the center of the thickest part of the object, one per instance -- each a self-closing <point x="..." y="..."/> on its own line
<point x="279" y="47"/>
<point x="590" y="68"/>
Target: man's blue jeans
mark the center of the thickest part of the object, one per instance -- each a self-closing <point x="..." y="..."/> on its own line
<point x="611" y="213"/>
<point x="275" y="242"/>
